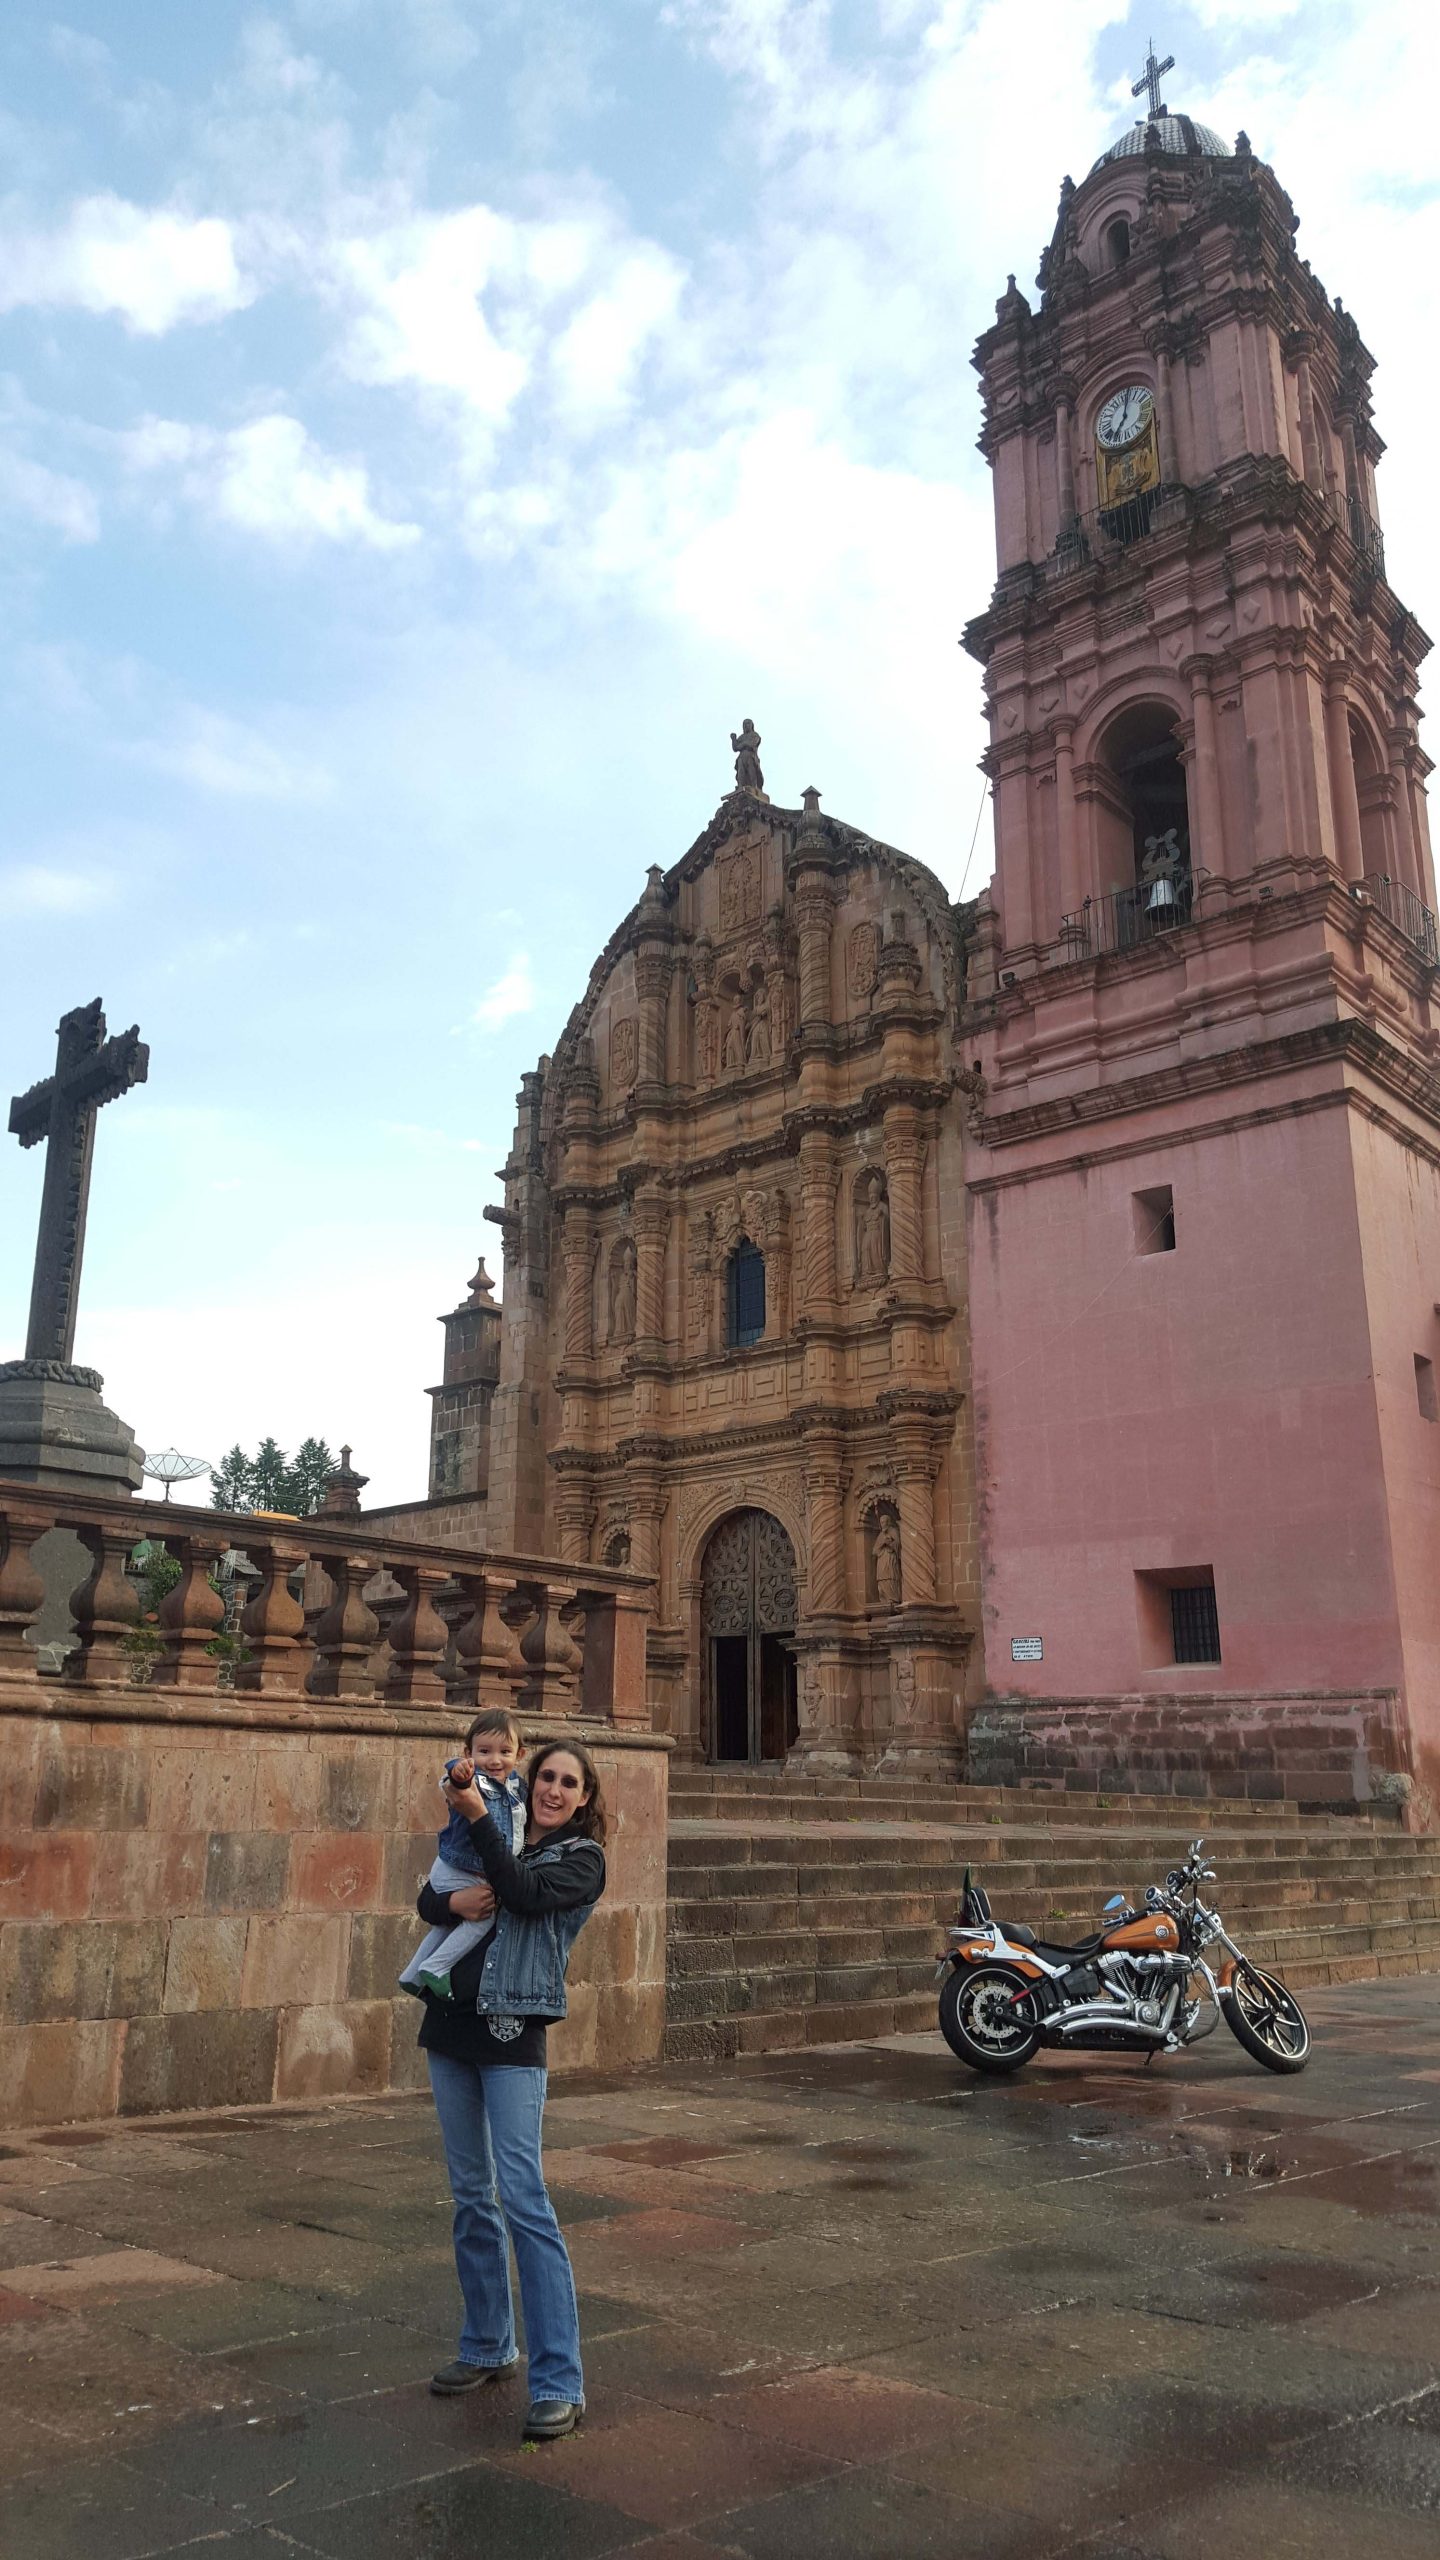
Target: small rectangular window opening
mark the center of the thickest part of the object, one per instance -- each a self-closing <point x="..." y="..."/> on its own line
<point x="1194" y="1622"/>
<point x="1154" y="1213"/>
<point x="1425" y="1388"/>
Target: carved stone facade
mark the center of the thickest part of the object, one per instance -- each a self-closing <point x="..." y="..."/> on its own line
<point x="735" y="1294"/>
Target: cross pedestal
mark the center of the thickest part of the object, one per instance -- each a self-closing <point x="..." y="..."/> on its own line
<point x="55" y="1430"/>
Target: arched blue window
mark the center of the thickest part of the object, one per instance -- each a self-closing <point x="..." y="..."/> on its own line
<point x="745" y="1295"/>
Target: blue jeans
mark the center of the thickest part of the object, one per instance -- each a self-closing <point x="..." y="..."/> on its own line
<point x="490" y="2124"/>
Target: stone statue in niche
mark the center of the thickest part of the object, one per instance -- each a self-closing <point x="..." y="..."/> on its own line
<point x="872" y="1231"/>
<point x="863" y="961"/>
<point x="759" y="1055"/>
<point x="624" y="1052"/>
<point x="886" y="1554"/>
<point x="745" y="746"/>
<point x="735" y="1040"/>
<point x="622" y="1291"/>
<point x="617" y="1548"/>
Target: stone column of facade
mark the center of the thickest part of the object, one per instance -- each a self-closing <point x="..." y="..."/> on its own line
<point x="1165" y="423"/>
<point x="652" y="985"/>
<point x="1065" y="454"/>
<point x="828" y="1739"/>
<point x="819" y="1176"/>
<point x="1349" y="843"/>
<point x="1073" y="884"/>
<point x="652" y="1229"/>
<point x="1309" y="435"/>
<point x="647" y="1503"/>
<point x="1207" y="827"/>
<point x="915" y="1498"/>
<point x="577" y="1248"/>
<point x="815" y="916"/>
<point x="573" y="1511"/>
<point x="904" y="1173"/>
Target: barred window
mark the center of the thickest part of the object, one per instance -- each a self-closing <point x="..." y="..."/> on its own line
<point x="746" y="1294"/>
<point x="1195" y="1623"/>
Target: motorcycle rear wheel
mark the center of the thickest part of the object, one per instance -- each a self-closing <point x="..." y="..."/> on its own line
<point x="1267" y="2019"/>
<point x="979" y="2021"/>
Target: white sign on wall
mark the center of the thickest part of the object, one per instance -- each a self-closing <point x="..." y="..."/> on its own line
<point x="1027" y="1649"/>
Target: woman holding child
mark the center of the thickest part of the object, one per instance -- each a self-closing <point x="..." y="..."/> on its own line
<point x="488" y="2000"/>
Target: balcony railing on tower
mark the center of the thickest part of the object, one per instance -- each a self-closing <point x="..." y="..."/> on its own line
<point x="1367" y="537"/>
<point x="1405" y="911"/>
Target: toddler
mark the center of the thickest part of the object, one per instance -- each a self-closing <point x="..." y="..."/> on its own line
<point x="492" y="1745"/>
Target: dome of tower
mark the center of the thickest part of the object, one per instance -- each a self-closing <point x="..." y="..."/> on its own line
<point x="1180" y="135"/>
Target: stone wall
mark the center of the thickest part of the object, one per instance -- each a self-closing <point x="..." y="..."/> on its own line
<point x="1343" y="1749"/>
<point x="206" y="1903"/>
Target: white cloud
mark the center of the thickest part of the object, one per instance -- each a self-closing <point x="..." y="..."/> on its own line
<point x="150" y="269"/>
<point x="40" y="889"/>
<point x="215" y="753"/>
<point x="513" y="993"/>
<point x="47" y="497"/>
<point x="269" y="478"/>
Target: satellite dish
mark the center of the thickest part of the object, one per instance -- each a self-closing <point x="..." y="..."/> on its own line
<point x="168" y="1467"/>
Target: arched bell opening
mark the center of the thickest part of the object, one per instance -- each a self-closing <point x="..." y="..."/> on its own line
<point x="1145" y="822"/>
<point x="1371" y="791"/>
<point x="747" y="1628"/>
<point x="1115" y="241"/>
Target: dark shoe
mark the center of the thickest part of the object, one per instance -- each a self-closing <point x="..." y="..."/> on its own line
<point x="469" y="2377"/>
<point x="551" y="2418"/>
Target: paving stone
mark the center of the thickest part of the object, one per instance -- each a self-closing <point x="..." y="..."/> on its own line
<point x="462" y="2513"/>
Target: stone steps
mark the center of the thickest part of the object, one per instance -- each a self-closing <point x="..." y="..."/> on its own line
<point x="812" y="1911"/>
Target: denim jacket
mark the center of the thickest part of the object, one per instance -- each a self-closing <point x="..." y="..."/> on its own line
<point x="523" y="1975"/>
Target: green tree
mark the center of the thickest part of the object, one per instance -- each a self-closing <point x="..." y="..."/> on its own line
<point x="272" y="1482"/>
<point x="230" y="1481"/>
<point x="307" y="1476"/>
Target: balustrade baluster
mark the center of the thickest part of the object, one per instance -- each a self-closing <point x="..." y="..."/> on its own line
<point x="418" y="1639"/>
<point x="191" y="1615"/>
<point x="551" y="1652"/>
<point x="346" y="1633"/>
<point x="106" y="1608"/>
<point x="273" y="1624"/>
<point x="22" y="1588"/>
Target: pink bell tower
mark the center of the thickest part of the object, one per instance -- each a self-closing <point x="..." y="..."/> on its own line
<point x="1205" y="1173"/>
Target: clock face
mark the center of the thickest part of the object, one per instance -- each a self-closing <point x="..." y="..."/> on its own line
<point x="1125" y="416"/>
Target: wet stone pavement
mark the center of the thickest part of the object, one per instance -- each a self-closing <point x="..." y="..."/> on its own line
<point x="851" y="2302"/>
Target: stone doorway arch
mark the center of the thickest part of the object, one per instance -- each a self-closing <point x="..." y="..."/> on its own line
<point x="747" y="1631"/>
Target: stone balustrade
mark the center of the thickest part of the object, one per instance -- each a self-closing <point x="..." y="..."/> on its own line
<point x="213" y="1823"/>
<point x="330" y="1614"/>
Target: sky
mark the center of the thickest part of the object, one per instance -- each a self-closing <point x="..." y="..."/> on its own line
<point x="427" y="428"/>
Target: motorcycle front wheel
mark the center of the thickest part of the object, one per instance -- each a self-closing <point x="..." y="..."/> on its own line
<point x="979" y="2019"/>
<point x="1267" y="2019"/>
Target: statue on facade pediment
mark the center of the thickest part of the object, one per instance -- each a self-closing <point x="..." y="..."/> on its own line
<point x="734" y="1053"/>
<point x="745" y="746"/>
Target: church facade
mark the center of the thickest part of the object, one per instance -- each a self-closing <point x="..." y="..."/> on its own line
<point x="1008" y="1334"/>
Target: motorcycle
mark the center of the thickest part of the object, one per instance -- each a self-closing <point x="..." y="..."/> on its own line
<point x="1149" y="1981"/>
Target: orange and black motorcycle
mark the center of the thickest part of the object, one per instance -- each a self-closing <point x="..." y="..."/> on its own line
<point x="1150" y="1981"/>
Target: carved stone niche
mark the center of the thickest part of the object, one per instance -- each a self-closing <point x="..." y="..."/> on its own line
<point x="620" y="1283"/>
<point x="614" y="1539"/>
<point x="624" y="1052"/>
<point x="862" y="961"/>
<point x="870" y="1229"/>
<point x="738" y="878"/>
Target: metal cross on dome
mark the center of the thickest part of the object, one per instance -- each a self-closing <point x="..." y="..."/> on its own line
<point x="1151" y="77"/>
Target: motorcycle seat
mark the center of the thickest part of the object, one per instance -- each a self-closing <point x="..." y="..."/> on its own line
<point x="1022" y="1935"/>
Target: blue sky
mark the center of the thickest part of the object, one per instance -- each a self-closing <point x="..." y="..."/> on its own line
<point x="426" y="428"/>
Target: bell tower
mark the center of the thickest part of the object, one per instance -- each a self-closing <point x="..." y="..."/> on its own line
<point x="1205" y="1176"/>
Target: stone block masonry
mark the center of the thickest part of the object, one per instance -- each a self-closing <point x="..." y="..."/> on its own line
<point x="207" y="1905"/>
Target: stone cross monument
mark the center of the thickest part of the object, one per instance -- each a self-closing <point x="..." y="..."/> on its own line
<point x="54" y="1429"/>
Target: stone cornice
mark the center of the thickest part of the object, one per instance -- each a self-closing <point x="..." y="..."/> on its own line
<point x="1345" y="1043"/>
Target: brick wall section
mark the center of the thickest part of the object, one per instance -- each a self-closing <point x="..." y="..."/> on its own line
<point x="210" y="1908"/>
<point x="1335" y="1749"/>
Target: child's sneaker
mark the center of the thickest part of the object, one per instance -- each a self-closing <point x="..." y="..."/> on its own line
<point x="438" y="1984"/>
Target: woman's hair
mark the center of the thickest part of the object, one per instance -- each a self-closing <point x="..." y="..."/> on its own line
<point x="494" y="1720"/>
<point x="589" y="1818"/>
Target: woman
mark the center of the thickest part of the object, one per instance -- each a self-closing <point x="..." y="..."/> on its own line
<point x="486" y="2052"/>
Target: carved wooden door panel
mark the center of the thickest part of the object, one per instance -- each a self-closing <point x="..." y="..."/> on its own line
<point x="747" y="1615"/>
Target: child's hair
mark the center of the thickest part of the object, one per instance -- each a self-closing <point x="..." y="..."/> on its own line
<point x="494" y="1720"/>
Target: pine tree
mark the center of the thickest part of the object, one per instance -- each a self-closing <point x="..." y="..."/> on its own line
<point x="269" y="1478"/>
<point x="307" y="1476"/>
<point x="230" y="1482"/>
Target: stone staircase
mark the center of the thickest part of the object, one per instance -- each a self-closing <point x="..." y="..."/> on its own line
<point x="811" y="1910"/>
